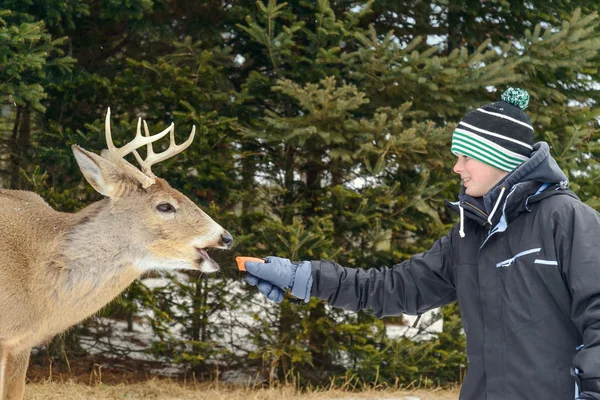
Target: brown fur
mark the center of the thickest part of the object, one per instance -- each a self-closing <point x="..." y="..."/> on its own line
<point x="57" y="269"/>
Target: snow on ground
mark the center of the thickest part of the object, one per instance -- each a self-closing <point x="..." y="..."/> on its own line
<point x="428" y="320"/>
<point x="235" y="323"/>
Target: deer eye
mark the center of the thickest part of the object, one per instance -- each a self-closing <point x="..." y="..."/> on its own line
<point x="165" y="208"/>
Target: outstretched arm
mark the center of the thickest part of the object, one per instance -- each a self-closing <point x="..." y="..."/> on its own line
<point x="414" y="286"/>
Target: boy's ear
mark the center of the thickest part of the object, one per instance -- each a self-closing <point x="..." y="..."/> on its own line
<point x="102" y="174"/>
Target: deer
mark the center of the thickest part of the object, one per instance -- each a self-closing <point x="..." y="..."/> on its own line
<point x="57" y="268"/>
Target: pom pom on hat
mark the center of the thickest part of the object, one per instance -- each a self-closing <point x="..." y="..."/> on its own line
<point x="517" y="97"/>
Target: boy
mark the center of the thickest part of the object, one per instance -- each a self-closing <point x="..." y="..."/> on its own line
<point x="522" y="263"/>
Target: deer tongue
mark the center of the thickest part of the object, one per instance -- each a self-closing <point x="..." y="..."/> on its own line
<point x="204" y="256"/>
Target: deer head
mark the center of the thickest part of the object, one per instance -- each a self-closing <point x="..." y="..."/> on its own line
<point x="168" y="230"/>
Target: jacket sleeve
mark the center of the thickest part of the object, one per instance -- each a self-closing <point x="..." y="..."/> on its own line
<point x="416" y="285"/>
<point x="577" y="229"/>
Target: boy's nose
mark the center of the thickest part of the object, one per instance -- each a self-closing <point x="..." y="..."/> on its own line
<point x="457" y="166"/>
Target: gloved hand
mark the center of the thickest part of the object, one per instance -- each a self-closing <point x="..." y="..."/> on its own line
<point x="276" y="275"/>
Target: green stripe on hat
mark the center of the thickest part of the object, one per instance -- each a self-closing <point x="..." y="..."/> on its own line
<point x="485" y="145"/>
<point x="485" y="152"/>
<point x="483" y="158"/>
<point x="482" y="151"/>
<point x="486" y="157"/>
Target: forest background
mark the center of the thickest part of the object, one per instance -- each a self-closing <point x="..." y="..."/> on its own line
<point x="324" y="131"/>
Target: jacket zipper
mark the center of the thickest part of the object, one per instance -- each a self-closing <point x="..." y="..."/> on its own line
<point x="495" y="229"/>
<point x="477" y="209"/>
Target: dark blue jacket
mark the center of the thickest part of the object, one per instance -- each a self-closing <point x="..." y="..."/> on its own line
<point x="528" y="288"/>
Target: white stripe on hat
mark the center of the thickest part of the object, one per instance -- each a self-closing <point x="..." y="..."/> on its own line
<point x="492" y="144"/>
<point x="487" y="160"/>
<point x="486" y="157"/>
<point x="472" y="148"/>
<point x="506" y="117"/>
<point x="497" y="135"/>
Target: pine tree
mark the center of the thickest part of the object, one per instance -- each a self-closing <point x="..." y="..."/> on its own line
<point x="323" y="133"/>
<point x="30" y="60"/>
<point x="371" y="108"/>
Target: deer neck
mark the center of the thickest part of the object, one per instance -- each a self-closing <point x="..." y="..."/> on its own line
<point x="97" y="259"/>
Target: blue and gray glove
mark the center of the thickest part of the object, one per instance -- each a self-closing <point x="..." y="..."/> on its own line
<point x="276" y="275"/>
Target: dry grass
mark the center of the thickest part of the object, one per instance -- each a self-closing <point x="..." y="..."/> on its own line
<point x="87" y="379"/>
<point x="165" y="390"/>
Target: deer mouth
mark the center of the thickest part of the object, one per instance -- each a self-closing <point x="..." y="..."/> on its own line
<point x="205" y="258"/>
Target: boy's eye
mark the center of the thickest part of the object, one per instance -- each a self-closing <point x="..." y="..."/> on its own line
<point x="467" y="158"/>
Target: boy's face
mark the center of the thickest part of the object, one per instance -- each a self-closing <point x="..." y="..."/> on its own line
<point x="478" y="178"/>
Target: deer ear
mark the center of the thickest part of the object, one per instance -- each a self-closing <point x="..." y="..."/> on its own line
<point x="100" y="173"/>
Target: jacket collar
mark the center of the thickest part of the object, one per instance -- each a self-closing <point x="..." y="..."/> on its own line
<point x="515" y="192"/>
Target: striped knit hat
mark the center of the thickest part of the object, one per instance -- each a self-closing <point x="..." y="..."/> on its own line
<point x="499" y="134"/>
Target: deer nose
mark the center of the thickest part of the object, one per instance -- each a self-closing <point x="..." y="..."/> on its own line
<point x="227" y="240"/>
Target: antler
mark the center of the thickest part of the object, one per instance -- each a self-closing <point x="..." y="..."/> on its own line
<point x="116" y="153"/>
<point x="153" y="158"/>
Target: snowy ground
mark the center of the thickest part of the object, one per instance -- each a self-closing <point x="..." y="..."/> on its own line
<point x="134" y="344"/>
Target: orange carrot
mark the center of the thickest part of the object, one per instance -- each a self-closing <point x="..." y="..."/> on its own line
<point x="241" y="260"/>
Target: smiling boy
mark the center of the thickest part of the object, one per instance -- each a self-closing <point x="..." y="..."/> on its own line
<point x="477" y="177"/>
<point x="523" y="264"/>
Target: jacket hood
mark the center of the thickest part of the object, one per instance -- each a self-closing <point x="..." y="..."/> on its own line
<point x="540" y="167"/>
<point x="521" y="185"/>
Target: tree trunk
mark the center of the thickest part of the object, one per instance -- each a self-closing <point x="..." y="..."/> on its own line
<point x="314" y="172"/>
<point x="288" y="168"/>
<point x="320" y="356"/>
<point x="199" y="317"/>
<point x="129" y="320"/>
<point x="20" y="143"/>
<point x="287" y="319"/>
<point x="455" y="27"/>
<point x="196" y="307"/>
<point x="248" y="173"/>
<point x="322" y="361"/>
